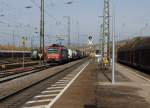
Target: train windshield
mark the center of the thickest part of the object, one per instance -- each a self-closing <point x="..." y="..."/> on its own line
<point x="52" y="51"/>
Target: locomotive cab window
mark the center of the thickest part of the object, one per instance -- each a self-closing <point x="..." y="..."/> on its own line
<point x="52" y="51"/>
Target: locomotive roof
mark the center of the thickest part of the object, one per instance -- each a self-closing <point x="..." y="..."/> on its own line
<point x="57" y="46"/>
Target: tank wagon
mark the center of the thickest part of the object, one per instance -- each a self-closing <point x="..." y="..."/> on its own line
<point x="136" y="53"/>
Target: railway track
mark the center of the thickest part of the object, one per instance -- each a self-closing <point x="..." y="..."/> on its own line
<point x="7" y="73"/>
<point x="56" y="74"/>
<point x="15" y="68"/>
<point x="4" y="67"/>
<point x="12" y="74"/>
<point x="14" y="60"/>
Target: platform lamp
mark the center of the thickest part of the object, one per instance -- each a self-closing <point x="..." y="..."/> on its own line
<point x="113" y="42"/>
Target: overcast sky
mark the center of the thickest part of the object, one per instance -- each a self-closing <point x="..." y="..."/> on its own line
<point x="132" y="19"/>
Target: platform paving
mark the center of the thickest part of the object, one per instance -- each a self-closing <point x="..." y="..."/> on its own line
<point x="82" y="93"/>
<point x="93" y="89"/>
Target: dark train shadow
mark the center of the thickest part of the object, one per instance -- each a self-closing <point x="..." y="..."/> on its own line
<point x="90" y="106"/>
<point x="105" y="72"/>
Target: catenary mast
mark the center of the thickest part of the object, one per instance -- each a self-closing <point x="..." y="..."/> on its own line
<point x="106" y="30"/>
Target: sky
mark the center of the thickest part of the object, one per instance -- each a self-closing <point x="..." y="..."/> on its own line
<point x="132" y="18"/>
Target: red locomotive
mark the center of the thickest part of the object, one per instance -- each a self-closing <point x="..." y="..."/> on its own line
<point x="57" y="54"/>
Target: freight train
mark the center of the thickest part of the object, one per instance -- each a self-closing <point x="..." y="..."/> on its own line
<point x="57" y="53"/>
<point x="53" y="54"/>
<point x="60" y="54"/>
<point x="136" y="53"/>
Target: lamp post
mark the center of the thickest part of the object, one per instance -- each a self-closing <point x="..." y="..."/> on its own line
<point x="113" y="44"/>
<point x="13" y="44"/>
<point x="78" y="34"/>
<point x="68" y="18"/>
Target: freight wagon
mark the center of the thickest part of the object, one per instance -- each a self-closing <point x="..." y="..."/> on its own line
<point x="136" y="53"/>
<point x="15" y="54"/>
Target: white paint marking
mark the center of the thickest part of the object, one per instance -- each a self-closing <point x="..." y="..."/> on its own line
<point x="61" y="83"/>
<point x="58" y="85"/>
<point x="41" y="106"/>
<point x="60" y="94"/>
<point x="51" y="91"/>
<point x="38" y="101"/>
<point x="64" y="80"/>
<point x="55" y="88"/>
<point x="49" y="95"/>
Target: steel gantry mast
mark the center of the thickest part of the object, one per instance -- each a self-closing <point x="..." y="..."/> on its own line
<point x="42" y="28"/>
<point x="106" y="30"/>
<point x="101" y="40"/>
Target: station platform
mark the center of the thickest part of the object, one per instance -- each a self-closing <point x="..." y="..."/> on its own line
<point x="93" y="89"/>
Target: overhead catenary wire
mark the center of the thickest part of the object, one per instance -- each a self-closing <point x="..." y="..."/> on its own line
<point x="36" y="4"/>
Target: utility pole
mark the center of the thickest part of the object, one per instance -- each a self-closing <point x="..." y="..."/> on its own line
<point x="32" y="42"/>
<point x="13" y="44"/>
<point x="42" y="28"/>
<point x="68" y="17"/>
<point x="106" y="30"/>
<point x="113" y="45"/>
<point x="101" y="42"/>
<point x="24" y="40"/>
<point x="78" y="34"/>
<point x="78" y="31"/>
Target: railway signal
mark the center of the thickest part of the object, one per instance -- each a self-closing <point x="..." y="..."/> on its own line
<point x="90" y="43"/>
<point x="90" y="37"/>
<point x="90" y="40"/>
